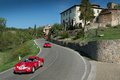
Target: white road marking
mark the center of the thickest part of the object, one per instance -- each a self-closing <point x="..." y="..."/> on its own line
<point x="39" y="47"/>
<point x="83" y="77"/>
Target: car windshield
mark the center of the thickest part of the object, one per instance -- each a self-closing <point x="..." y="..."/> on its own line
<point x="29" y="60"/>
<point x="46" y="43"/>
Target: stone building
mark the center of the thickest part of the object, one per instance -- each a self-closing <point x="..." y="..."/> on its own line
<point x="109" y="16"/>
<point x="46" y="29"/>
<point x="111" y="5"/>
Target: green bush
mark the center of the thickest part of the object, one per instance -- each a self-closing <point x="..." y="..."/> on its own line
<point x="80" y="34"/>
<point x="71" y="28"/>
<point x="22" y="50"/>
<point x="65" y="34"/>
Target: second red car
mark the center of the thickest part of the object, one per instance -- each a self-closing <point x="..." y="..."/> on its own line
<point x="47" y="45"/>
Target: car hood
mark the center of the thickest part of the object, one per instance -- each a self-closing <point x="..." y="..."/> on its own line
<point x="47" y="44"/>
<point x="26" y="64"/>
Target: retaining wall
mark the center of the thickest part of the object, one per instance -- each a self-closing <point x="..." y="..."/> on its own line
<point x="103" y="50"/>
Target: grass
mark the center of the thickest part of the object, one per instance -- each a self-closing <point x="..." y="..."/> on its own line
<point x="5" y="55"/>
<point x="110" y="33"/>
<point x="33" y="47"/>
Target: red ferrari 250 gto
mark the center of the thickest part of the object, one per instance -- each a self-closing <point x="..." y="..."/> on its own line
<point x="45" y="37"/>
<point x="30" y="64"/>
<point x="47" y="45"/>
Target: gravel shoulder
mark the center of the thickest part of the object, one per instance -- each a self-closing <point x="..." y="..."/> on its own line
<point x="107" y="71"/>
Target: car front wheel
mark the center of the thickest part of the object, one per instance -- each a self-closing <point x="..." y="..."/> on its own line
<point x="33" y="69"/>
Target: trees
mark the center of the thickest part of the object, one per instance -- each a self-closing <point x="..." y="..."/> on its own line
<point x="65" y="34"/>
<point x="40" y="32"/>
<point x="117" y="6"/>
<point x="56" y="28"/>
<point x="2" y="25"/>
<point x="86" y="12"/>
<point x="6" y="40"/>
<point x="35" y="29"/>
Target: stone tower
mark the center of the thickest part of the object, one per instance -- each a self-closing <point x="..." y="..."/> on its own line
<point x="111" y="5"/>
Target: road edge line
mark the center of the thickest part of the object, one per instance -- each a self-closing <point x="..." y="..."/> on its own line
<point x="92" y="73"/>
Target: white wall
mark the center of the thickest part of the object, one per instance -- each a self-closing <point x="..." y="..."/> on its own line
<point x="71" y="15"/>
<point x="95" y="11"/>
<point x="75" y="13"/>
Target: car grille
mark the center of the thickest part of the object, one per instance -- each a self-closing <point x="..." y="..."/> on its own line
<point x="20" y="71"/>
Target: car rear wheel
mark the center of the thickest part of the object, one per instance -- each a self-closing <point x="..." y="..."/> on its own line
<point x="33" y="69"/>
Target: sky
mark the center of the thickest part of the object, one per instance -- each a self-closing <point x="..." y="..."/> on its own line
<point x="26" y="13"/>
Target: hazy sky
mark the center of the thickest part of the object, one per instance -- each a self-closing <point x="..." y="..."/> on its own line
<point x="27" y="13"/>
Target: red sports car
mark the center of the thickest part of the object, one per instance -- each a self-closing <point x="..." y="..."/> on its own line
<point x="30" y="64"/>
<point x="47" y="45"/>
<point x="45" y="37"/>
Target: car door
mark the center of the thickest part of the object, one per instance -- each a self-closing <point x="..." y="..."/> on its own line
<point x="38" y="62"/>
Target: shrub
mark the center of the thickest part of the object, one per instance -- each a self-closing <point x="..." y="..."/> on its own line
<point x="22" y="50"/>
<point x="71" y="28"/>
<point x="65" y="34"/>
<point x="80" y="34"/>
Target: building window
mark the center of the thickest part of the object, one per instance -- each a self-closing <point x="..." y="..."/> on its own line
<point x="66" y="20"/>
<point x="63" y="14"/>
<point x="63" y="21"/>
<point x="97" y="11"/>
<point x="70" y="11"/>
<point x="66" y="13"/>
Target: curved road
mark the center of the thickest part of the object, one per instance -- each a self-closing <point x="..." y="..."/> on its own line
<point x="60" y="64"/>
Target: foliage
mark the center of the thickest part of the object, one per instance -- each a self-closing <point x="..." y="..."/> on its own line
<point x="71" y="27"/>
<point x="2" y="23"/>
<point x="5" y="40"/>
<point x="35" y="29"/>
<point x="92" y="33"/>
<point x="117" y="6"/>
<point x="65" y="34"/>
<point x="40" y="32"/>
<point x="80" y="34"/>
<point x="56" y="28"/>
<point x="78" y="27"/>
<point x="22" y="50"/>
<point x="13" y="38"/>
<point x="86" y="12"/>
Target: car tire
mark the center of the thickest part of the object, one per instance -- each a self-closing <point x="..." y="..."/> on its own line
<point x="42" y="64"/>
<point x="14" y="72"/>
<point x="33" y="69"/>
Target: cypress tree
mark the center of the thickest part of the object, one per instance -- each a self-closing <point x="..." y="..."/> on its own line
<point x="86" y="13"/>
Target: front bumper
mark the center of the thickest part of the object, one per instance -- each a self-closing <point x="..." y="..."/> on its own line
<point x="22" y="70"/>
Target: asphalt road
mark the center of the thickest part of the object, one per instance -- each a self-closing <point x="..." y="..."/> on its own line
<point x="60" y="64"/>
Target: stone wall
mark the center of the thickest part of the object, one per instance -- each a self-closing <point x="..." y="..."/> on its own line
<point x="104" y="50"/>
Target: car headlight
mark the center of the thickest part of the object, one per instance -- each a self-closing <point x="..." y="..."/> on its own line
<point x="28" y="68"/>
<point x="14" y="68"/>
